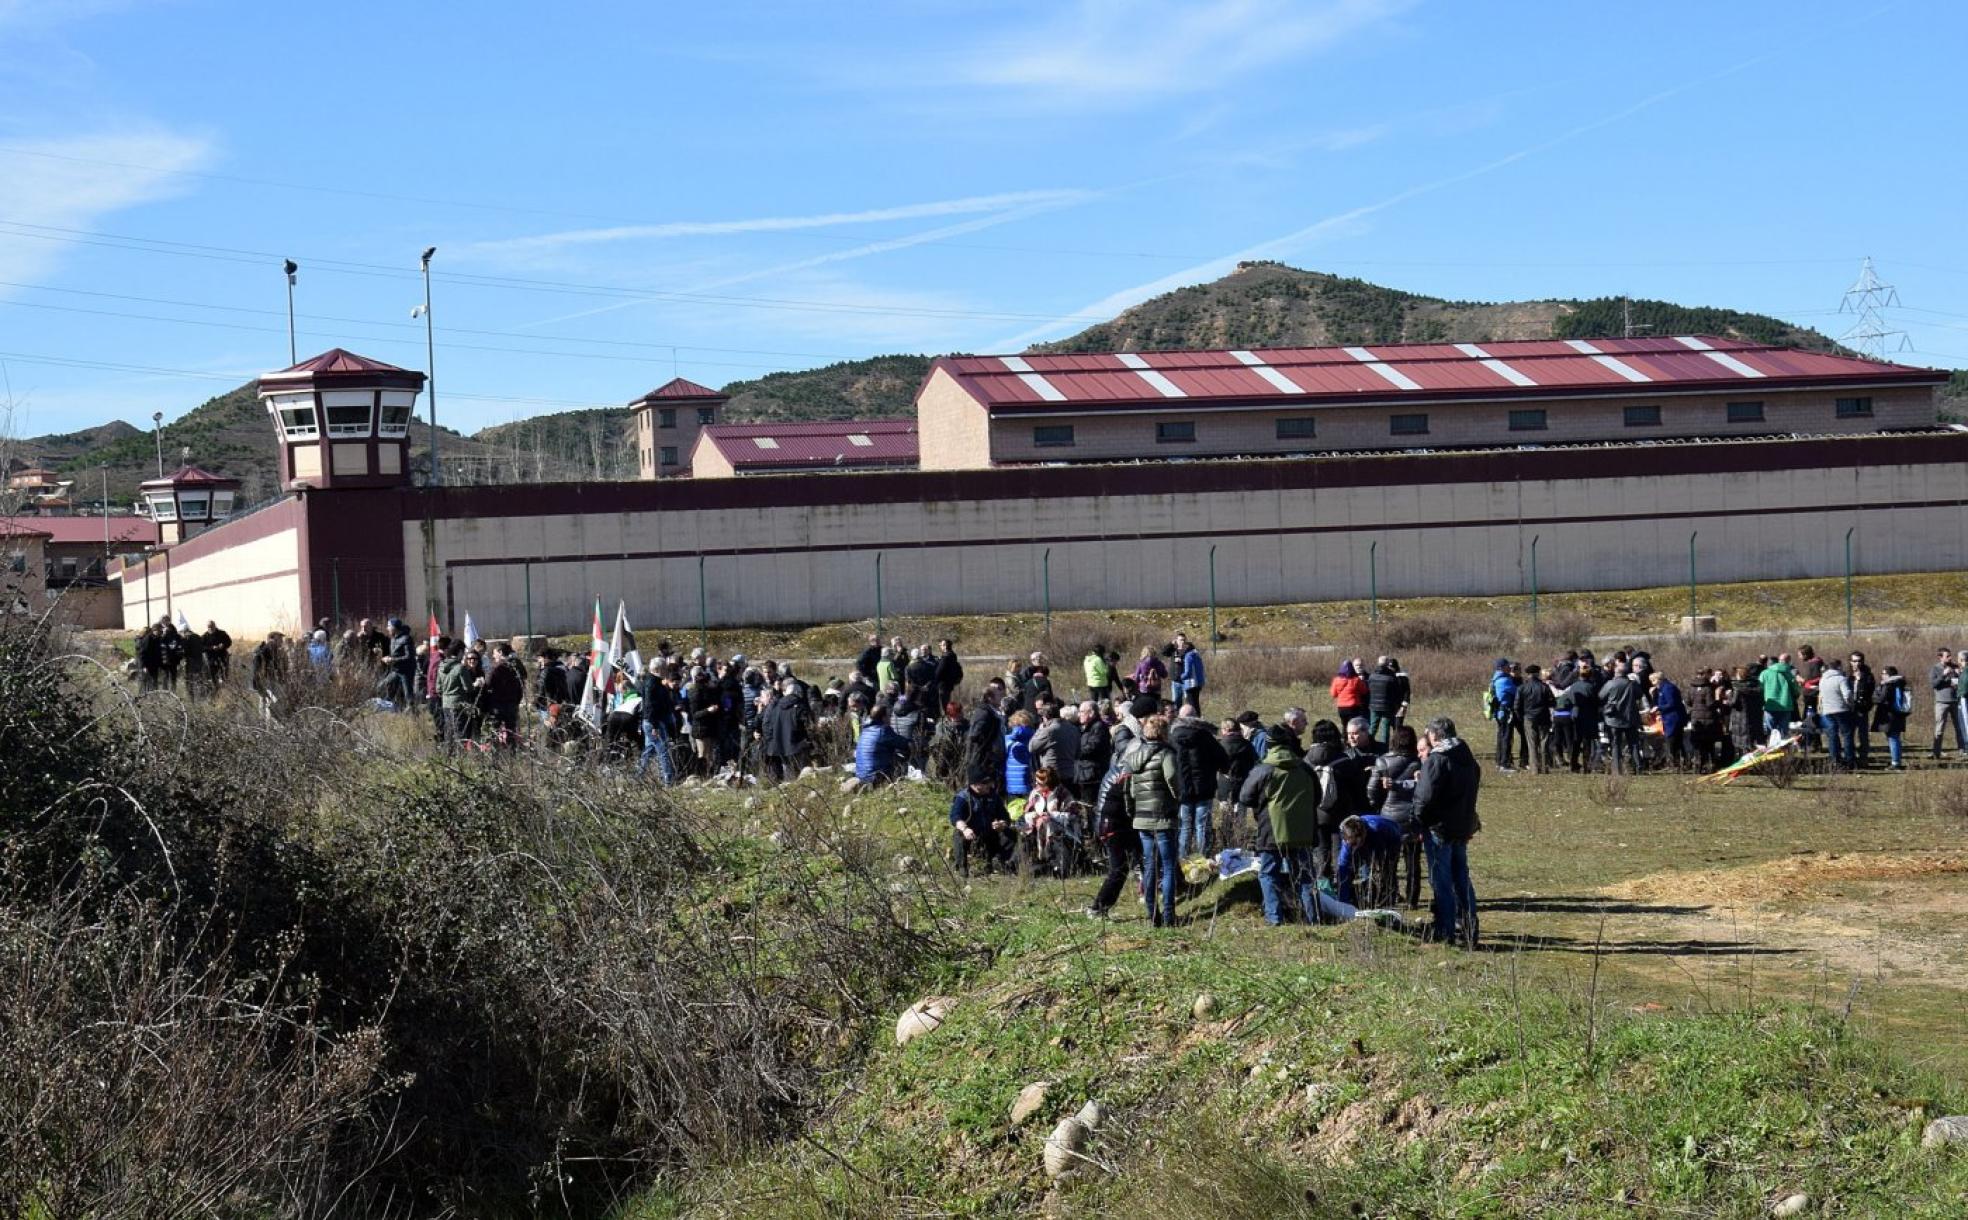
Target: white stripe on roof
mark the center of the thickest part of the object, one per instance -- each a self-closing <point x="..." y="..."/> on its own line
<point x="1732" y="364"/>
<point x="1625" y="370"/>
<point x="1582" y="346"/>
<point x="1692" y="343"/>
<point x="1278" y="381"/>
<point x="1509" y="374"/>
<point x="1160" y="384"/>
<point x="1039" y="385"/>
<point x="1470" y="349"/>
<point x="1391" y="375"/>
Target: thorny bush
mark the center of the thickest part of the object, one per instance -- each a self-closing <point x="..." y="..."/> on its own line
<point x="314" y="977"/>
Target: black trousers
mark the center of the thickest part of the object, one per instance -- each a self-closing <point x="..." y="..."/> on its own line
<point x="1123" y="850"/>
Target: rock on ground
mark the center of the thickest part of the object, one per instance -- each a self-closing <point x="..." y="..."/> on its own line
<point x="1030" y="1099"/>
<point x="1950" y="1130"/>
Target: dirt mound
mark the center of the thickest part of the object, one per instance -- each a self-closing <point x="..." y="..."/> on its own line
<point x="1796" y="876"/>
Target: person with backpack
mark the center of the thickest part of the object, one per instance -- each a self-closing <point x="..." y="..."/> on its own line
<point x="1115" y="837"/>
<point x="1445" y="805"/>
<point x="1500" y="704"/>
<point x="1282" y="793"/>
<point x="1152" y="806"/>
<point x="1892" y="703"/>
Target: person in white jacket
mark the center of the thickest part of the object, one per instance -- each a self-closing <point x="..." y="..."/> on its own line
<point x="1835" y="708"/>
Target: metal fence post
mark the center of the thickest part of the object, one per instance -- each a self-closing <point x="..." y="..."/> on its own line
<point x="1848" y="582"/>
<point x="703" y="608"/>
<point x="878" y="593"/>
<point x="335" y="586"/>
<point x="1534" y="582"/>
<point x="1045" y="564"/>
<point x="1691" y="578"/>
<point x="527" y="568"/>
<point x="1373" y="581"/>
<point x="1212" y="598"/>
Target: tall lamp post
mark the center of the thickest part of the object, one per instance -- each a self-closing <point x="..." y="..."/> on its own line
<point x="430" y="363"/>
<point x="157" y="432"/>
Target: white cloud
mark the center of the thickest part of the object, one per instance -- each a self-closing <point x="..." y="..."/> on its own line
<point x="546" y="242"/>
<point x="1119" y="51"/>
<point x="73" y="182"/>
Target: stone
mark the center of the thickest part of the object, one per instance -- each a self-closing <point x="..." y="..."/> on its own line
<point x="1792" y="1205"/>
<point x="751" y="802"/>
<point x="850" y="786"/>
<point x="1950" y="1130"/>
<point x="1064" y="1146"/>
<point x="1091" y="1115"/>
<point x="1204" y="1008"/>
<point x="1030" y="1098"/>
<point x="1698" y="624"/>
<point x="922" y="1017"/>
<point x="779" y="838"/>
<point x="907" y="864"/>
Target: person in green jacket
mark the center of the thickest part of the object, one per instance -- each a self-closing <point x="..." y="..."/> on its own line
<point x="1151" y="799"/>
<point x="1099" y="674"/>
<point x="1780" y="689"/>
<point x="459" y="684"/>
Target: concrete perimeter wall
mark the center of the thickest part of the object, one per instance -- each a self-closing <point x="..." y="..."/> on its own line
<point x="244" y="575"/>
<point x="800" y="549"/>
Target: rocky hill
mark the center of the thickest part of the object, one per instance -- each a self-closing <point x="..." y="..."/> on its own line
<point x="1264" y="304"/>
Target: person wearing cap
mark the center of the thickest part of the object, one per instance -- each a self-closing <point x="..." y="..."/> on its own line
<point x="1502" y="707"/>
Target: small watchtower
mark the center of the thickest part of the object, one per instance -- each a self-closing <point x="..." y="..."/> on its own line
<point x="342" y="420"/>
<point x="668" y="419"/>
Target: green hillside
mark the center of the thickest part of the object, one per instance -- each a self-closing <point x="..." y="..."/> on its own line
<point x="878" y="388"/>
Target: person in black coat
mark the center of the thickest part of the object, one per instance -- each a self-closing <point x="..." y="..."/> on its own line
<point x="1094" y="754"/>
<point x="979" y="823"/>
<point x="1535" y="703"/>
<point x="1445" y="805"/>
<point x="783" y="727"/>
<point x="1239" y="757"/>
<point x="984" y="742"/>
<point x="1199" y="760"/>
<point x="870" y="657"/>
<point x="949" y="672"/>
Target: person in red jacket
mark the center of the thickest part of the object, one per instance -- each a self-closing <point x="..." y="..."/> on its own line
<point x="1349" y="693"/>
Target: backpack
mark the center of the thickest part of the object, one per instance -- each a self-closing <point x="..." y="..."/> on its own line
<point x="1902" y="699"/>
<point x="1292" y="804"/>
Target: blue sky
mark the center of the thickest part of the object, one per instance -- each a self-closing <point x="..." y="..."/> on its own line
<point x="623" y="193"/>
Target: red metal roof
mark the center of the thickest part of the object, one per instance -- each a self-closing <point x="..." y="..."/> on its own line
<point x="817" y="443"/>
<point x="340" y="360"/>
<point x="677" y="387"/>
<point x="1419" y="372"/>
<point x="138" y="531"/>
<point x="190" y="476"/>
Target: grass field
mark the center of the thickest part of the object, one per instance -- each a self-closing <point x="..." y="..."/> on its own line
<point x="1692" y="1002"/>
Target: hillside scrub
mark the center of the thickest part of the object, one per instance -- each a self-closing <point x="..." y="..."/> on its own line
<point x="283" y="969"/>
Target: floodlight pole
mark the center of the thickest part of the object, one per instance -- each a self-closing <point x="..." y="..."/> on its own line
<point x="290" y="267"/>
<point x="430" y="365"/>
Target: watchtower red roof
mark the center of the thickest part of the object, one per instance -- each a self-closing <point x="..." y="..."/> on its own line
<point x="190" y="476"/>
<point x="341" y="366"/>
<point x="678" y="389"/>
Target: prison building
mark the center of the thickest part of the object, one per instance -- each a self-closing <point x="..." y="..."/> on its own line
<point x="982" y="411"/>
<point x="725" y="450"/>
<point x="668" y="421"/>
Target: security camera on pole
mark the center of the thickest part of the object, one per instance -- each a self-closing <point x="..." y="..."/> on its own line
<point x="430" y="362"/>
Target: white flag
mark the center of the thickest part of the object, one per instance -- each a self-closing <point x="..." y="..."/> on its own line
<point x="471" y="630"/>
<point x="184" y="624"/>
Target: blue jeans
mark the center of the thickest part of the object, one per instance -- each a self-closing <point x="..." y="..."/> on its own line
<point x="1893" y="747"/>
<point x="1158" y="855"/>
<point x="1839" y="728"/>
<point x="656" y="745"/>
<point x="1176" y="691"/>
<point x="1193" y="823"/>
<point x="1776" y="722"/>
<point x="1279" y="871"/>
<point x="1455" y="894"/>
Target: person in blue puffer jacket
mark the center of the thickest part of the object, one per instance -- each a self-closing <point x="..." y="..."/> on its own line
<point x="1018" y="756"/>
<point x="1378" y="840"/>
<point x="880" y="753"/>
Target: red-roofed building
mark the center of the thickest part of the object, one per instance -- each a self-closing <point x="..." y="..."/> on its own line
<point x="978" y="411"/>
<point x="668" y="420"/>
<point x="68" y="557"/>
<point x="343" y="421"/>
<point x="725" y="450"/>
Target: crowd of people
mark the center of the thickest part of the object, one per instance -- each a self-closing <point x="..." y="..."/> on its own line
<point x="1625" y="715"/>
<point x="1119" y="773"/>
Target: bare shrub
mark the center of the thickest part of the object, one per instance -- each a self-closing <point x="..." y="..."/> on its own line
<point x="1450" y="633"/>
<point x="571" y="983"/>
<point x="1562" y="629"/>
<point x="1938" y="794"/>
